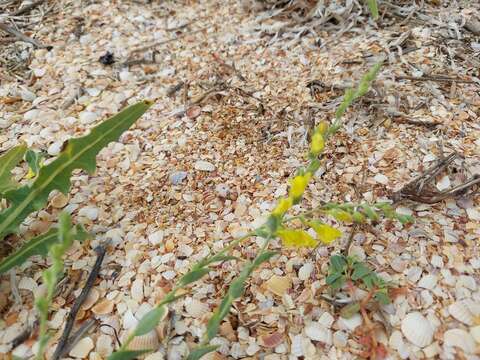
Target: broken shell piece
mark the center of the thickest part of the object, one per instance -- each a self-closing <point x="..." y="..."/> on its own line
<point x="196" y="308"/>
<point x="59" y="201"/>
<point x="104" y="307"/>
<point x="91" y="299"/>
<point x="461" y="312"/>
<point x="318" y="332"/>
<point x="272" y="340"/>
<point x="459" y="338"/>
<point x="278" y="285"/>
<point x="82" y="349"/>
<point x="149" y="341"/>
<point x="417" y="329"/>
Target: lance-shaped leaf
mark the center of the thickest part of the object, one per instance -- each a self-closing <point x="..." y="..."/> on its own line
<point x="78" y="153"/>
<point x="127" y="354"/>
<point x="7" y="162"/>
<point x="201" y="351"/>
<point x="373" y="7"/>
<point x="38" y="245"/>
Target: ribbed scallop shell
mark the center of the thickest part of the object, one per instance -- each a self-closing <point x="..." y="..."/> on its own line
<point x="461" y="312"/>
<point x="149" y="341"/>
<point x="196" y="308"/>
<point x="417" y="329"/>
<point x="459" y="338"/>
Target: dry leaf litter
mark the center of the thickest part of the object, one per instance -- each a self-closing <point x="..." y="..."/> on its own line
<point x="238" y="87"/>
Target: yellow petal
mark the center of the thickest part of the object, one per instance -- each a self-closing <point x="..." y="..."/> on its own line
<point x="282" y="206"/>
<point x="296" y="238"/>
<point x="341" y="215"/>
<point x="322" y="127"/>
<point x="318" y="143"/>
<point x="326" y="233"/>
<point x="298" y="185"/>
<point x="30" y="174"/>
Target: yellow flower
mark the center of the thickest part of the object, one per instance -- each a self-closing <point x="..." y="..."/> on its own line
<point x="296" y="238"/>
<point x="322" y="127"/>
<point x="298" y="185"/>
<point x="318" y="143"/>
<point x="341" y="215"/>
<point x="282" y="206"/>
<point x="326" y="233"/>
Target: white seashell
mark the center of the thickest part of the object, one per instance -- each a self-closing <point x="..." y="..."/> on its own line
<point x="196" y="308"/>
<point x="27" y="283"/>
<point x="59" y="200"/>
<point x="428" y="281"/>
<point x="204" y="166"/>
<point x="475" y="332"/>
<point x="351" y="323"/>
<point x="90" y="213"/>
<point x="437" y="261"/>
<point x="91" y="299"/>
<point x="104" y="345"/>
<point x="417" y="329"/>
<point x="444" y="183"/>
<point x="340" y="339"/>
<point x="305" y="271"/>
<point x="129" y="320"/>
<point x="137" y="290"/>
<point x="432" y="350"/>
<point x="381" y="179"/>
<point x="55" y="148"/>
<point x="156" y="238"/>
<point x="155" y="356"/>
<point x="149" y="341"/>
<point x="296" y="348"/>
<point x="82" y="349"/>
<point x="326" y="320"/>
<point x="318" y="332"/>
<point x="278" y="285"/>
<point x="87" y="117"/>
<point x="459" y="338"/>
<point x="461" y="312"/>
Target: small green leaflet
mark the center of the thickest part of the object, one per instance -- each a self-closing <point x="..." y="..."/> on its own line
<point x="149" y="321"/>
<point x="78" y="153"/>
<point x="193" y="276"/>
<point x="349" y="310"/>
<point x="201" y="351"/>
<point x="338" y="263"/>
<point x="7" y="162"/>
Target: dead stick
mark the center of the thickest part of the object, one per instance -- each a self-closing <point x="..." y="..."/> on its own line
<point x="435" y="78"/>
<point x="62" y="344"/>
<point x="23" y="37"/>
<point x="27" y="8"/>
<point x="77" y="335"/>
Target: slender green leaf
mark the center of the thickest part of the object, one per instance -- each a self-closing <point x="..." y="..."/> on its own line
<point x="193" y="276"/>
<point x="127" y="354"/>
<point x="149" y="321"/>
<point x="7" y="162"/>
<point x="371" y="214"/>
<point x="78" y="153"/>
<point x="201" y="351"/>
<point x="38" y="245"/>
<point x="373" y="7"/>
<point x="331" y="278"/>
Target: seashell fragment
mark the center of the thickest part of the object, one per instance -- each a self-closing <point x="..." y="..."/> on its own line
<point x="318" y="332"/>
<point x="278" y="285"/>
<point x="351" y="323"/>
<point x="428" y="282"/>
<point x="305" y="271"/>
<point x="475" y="332"/>
<point x="82" y="349"/>
<point x="459" y="338"/>
<point x="272" y="340"/>
<point x="149" y="341"/>
<point x="417" y="329"/>
<point x="91" y="299"/>
<point x="196" y="308"/>
<point x="461" y="312"/>
<point x="104" y="307"/>
<point x="59" y="200"/>
<point x="104" y="345"/>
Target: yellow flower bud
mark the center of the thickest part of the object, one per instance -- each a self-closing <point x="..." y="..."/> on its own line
<point x="298" y="185"/>
<point x="318" y="143"/>
<point x="296" y="238"/>
<point x="326" y="233"/>
<point x="283" y="206"/>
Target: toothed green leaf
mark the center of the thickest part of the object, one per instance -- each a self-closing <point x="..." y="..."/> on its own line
<point x="78" y="153"/>
<point x="7" y="162"/>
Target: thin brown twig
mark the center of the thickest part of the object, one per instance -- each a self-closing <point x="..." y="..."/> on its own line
<point x="23" y="37"/>
<point x="64" y="339"/>
<point x="27" y="8"/>
<point x="435" y="78"/>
